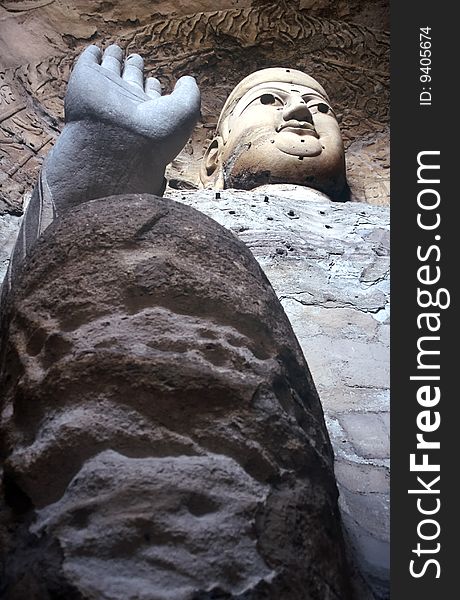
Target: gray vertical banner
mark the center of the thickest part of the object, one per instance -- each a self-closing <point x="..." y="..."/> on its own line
<point x="424" y="260"/>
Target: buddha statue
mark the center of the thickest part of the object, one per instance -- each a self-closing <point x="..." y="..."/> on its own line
<point x="277" y="126"/>
<point x="161" y="434"/>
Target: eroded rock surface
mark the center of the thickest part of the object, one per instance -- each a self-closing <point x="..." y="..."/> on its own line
<point x="329" y="265"/>
<point x="160" y="424"/>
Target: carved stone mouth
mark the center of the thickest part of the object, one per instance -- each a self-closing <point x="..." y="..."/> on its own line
<point x="297" y="125"/>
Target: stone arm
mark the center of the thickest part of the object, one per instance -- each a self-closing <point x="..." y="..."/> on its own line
<point x="119" y="135"/>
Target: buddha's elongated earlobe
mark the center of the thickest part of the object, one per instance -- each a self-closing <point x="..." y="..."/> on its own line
<point x="211" y="173"/>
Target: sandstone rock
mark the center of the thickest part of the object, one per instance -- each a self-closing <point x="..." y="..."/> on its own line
<point x="160" y="423"/>
<point x="329" y="265"/>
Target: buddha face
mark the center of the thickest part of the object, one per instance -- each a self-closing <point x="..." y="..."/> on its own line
<point x="280" y="129"/>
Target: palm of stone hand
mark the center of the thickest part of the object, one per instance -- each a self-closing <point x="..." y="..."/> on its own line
<point x="103" y="89"/>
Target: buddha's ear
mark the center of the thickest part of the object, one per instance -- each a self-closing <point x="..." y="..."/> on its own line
<point x="211" y="171"/>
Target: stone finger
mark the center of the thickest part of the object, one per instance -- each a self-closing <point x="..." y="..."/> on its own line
<point x="153" y="87"/>
<point x="113" y="56"/>
<point x="186" y="96"/>
<point x="90" y="56"/>
<point x="133" y="71"/>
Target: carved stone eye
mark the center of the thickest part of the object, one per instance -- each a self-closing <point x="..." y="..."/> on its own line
<point x="268" y="99"/>
<point x="323" y="108"/>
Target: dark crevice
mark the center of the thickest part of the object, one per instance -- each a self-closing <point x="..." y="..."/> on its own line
<point x="15" y="497"/>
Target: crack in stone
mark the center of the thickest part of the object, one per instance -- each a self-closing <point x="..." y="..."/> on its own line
<point x="335" y="305"/>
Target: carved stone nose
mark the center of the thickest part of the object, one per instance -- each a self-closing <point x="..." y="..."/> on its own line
<point x="297" y="109"/>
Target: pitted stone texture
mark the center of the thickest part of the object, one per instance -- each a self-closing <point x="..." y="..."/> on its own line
<point x="194" y="498"/>
<point x="159" y="420"/>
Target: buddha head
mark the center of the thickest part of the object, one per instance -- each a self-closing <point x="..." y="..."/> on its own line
<point x="277" y="126"/>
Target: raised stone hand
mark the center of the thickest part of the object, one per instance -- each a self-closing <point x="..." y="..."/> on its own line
<point x="120" y="134"/>
<point x="106" y="89"/>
